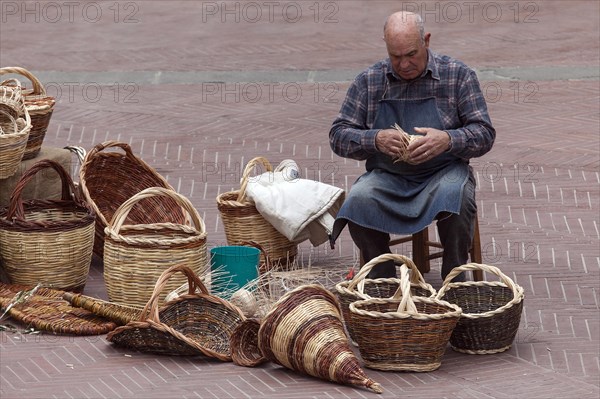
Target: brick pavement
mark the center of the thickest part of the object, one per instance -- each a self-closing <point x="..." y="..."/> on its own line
<point x="538" y="189"/>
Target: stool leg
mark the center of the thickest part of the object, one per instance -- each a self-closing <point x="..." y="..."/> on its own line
<point x="476" y="251"/>
<point x="421" y="250"/>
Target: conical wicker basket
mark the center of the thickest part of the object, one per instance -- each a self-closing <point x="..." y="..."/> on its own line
<point x="136" y="255"/>
<point x="491" y="311"/>
<point x="304" y="332"/>
<point x="109" y="178"/>
<point x="361" y="287"/>
<point x="242" y="221"/>
<point x="191" y="324"/>
<point x="40" y="107"/>
<point x="405" y="332"/>
<point x="47" y="241"/>
<point x="15" y="126"/>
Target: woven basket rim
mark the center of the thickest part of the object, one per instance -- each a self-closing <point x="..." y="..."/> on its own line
<point x="454" y="310"/>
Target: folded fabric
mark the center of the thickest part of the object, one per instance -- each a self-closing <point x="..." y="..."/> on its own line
<point x="300" y="209"/>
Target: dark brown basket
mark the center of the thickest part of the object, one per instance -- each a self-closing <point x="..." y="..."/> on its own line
<point x="244" y="344"/>
<point x="109" y="178"/>
<point x="304" y="332"/>
<point x="47" y="241"/>
<point x="46" y="310"/>
<point x="191" y="324"/>
<point x="40" y="106"/>
<point x="361" y="287"/>
<point x="405" y="332"/>
<point x="491" y="311"/>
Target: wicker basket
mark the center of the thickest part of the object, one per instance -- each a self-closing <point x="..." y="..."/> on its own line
<point x="15" y="126"/>
<point x="244" y="344"/>
<point x="362" y="288"/>
<point x="47" y="241"/>
<point x="45" y="310"/>
<point x="304" y="332"/>
<point x="192" y="324"/>
<point x="119" y="314"/>
<point x="243" y="222"/>
<point x="109" y="178"/>
<point x="405" y="332"/>
<point x="40" y="107"/>
<point x="491" y="311"/>
<point x="136" y="255"/>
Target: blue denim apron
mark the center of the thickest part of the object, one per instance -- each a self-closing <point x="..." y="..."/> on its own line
<point x="399" y="198"/>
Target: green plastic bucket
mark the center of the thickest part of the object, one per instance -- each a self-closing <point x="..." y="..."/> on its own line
<point x="235" y="266"/>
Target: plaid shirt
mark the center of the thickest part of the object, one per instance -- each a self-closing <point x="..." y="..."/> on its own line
<point x="458" y="96"/>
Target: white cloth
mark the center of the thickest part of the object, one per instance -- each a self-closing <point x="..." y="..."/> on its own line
<point x="300" y="209"/>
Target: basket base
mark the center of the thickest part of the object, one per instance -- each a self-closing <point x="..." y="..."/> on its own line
<point x="412" y="367"/>
<point x="480" y="351"/>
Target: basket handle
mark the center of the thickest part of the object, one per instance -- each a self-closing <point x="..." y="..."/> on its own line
<point x="406" y="305"/>
<point x="121" y="213"/>
<point x="246" y="175"/>
<point x="69" y="193"/>
<point x="108" y="144"/>
<point x="477" y="266"/>
<point x="13" y="121"/>
<point x="38" y="88"/>
<point x="359" y="279"/>
<point x="254" y="244"/>
<point x="150" y="311"/>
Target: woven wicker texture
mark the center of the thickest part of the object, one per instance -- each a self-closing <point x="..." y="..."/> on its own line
<point x="361" y="287"/>
<point x="136" y="255"/>
<point x="47" y="241"/>
<point x="304" y="332"/>
<point x="191" y="324"/>
<point x="405" y="332"/>
<point x="244" y="344"/>
<point x="15" y="126"/>
<point x="40" y="106"/>
<point x="47" y="311"/>
<point x="119" y="314"/>
<point x="242" y="221"/>
<point x="491" y="311"/>
<point x="109" y="178"/>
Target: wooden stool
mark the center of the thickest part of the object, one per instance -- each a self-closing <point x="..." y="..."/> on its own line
<point x="422" y="254"/>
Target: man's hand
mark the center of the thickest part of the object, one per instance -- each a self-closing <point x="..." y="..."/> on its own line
<point x="390" y="142"/>
<point x="433" y="143"/>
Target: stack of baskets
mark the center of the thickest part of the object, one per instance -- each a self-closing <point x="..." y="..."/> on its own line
<point x="136" y="255"/>
<point x="40" y="107"/>
<point x="47" y="241"/>
<point x="491" y="310"/>
<point x="15" y="127"/>
<point x="109" y="178"/>
<point x="243" y="222"/>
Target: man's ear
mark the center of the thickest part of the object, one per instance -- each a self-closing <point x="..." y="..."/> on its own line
<point x="426" y="39"/>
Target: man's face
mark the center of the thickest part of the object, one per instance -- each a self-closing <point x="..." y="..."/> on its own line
<point x="408" y="54"/>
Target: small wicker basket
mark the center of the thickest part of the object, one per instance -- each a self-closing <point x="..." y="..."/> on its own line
<point x="362" y="288"/>
<point x="242" y="221"/>
<point x="109" y="178"/>
<point x="15" y="126"/>
<point x="40" y="107"/>
<point x="47" y="241"/>
<point x="405" y="332"/>
<point x="244" y="344"/>
<point x="304" y="332"/>
<point x="136" y="255"/>
<point x="491" y="311"/>
<point x="191" y="324"/>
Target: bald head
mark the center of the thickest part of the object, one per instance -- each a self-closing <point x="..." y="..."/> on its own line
<point x="404" y="23"/>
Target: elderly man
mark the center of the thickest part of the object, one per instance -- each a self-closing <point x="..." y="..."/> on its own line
<point x="438" y="101"/>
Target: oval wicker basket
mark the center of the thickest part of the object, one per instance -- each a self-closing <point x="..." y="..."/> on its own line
<point x="361" y="287"/>
<point x="304" y="332"/>
<point x="40" y="107"/>
<point x="491" y="310"/>
<point x="244" y="344"/>
<point x="405" y="332"/>
<point x="136" y="255"/>
<point x="47" y="241"/>
<point x="242" y="221"/>
<point x="109" y="178"/>
<point x="191" y="324"/>
<point x="15" y="126"/>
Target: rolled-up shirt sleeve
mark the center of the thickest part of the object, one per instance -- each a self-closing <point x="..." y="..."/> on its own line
<point x="350" y="137"/>
<point x="476" y="136"/>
